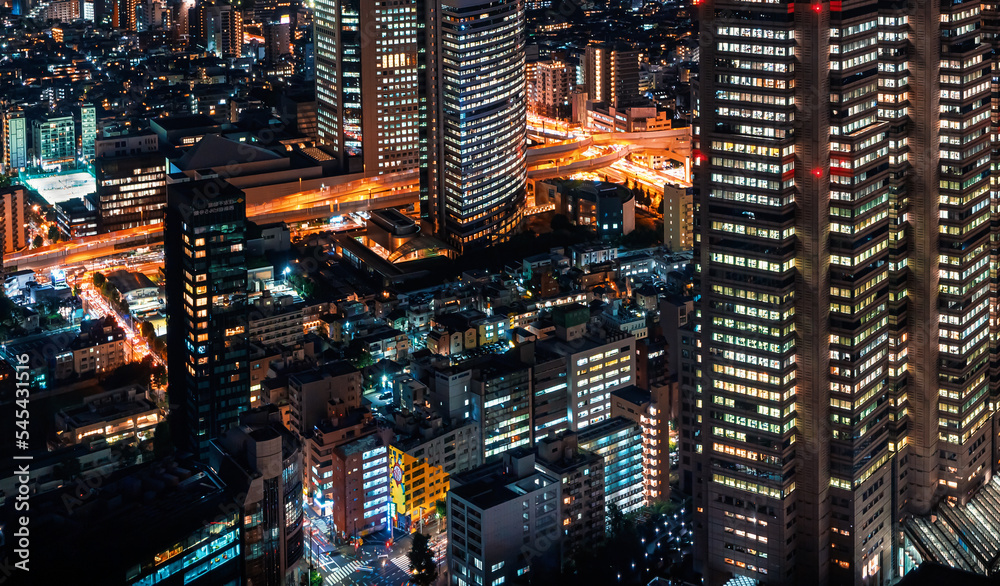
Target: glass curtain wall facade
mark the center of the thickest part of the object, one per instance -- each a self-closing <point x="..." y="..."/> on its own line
<point x="483" y="121"/>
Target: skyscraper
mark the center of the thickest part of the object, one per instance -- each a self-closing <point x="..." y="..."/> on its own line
<point x="842" y="254"/>
<point x="206" y="273"/>
<point x="403" y="86"/>
<point x="368" y="59"/>
<point x="481" y="170"/>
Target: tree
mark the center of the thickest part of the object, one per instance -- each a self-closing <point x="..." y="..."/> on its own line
<point x="358" y="355"/>
<point x="163" y="444"/>
<point x="147" y="330"/>
<point x="37" y="242"/>
<point x="10" y="312"/>
<point x="442" y="508"/>
<point x="422" y="562"/>
<point x="99" y="280"/>
<point x="68" y="469"/>
<point x="53" y="233"/>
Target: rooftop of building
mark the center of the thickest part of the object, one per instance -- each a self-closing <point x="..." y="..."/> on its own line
<point x="350" y="419"/>
<point x="494" y="484"/>
<point x="633" y="395"/>
<point x="148" y="508"/>
<point x="195" y="121"/>
<point x="126" y="281"/>
<point x="934" y="574"/>
<point x="116" y="406"/>
<point x="262" y="424"/>
<point x="215" y="151"/>
<point x="362" y="444"/>
<point x="585" y="343"/>
<point x="961" y="536"/>
<point x="606" y="428"/>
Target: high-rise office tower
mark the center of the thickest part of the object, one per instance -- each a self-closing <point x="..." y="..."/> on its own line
<point x="368" y="59"/>
<point x="842" y="246"/>
<point x="206" y="273"/>
<point x="482" y="111"/>
<point x="406" y="85"/>
<point x="15" y="141"/>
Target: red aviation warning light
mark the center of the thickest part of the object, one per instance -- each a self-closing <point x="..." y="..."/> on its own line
<point x="817" y="8"/>
<point x="699" y="157"/>
<point x="817" y="172"/>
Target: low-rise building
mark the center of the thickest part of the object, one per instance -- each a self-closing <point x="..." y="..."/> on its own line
<point x="347" y="478"/>
<point x="310" y="392"/>
<point x="387" y="343"/>
<point x="142" y="295"/>
<point x="581" y="476"/>
<point x="415" y="487"/>
<point x="277" y="319"/>
<point x="99" y="348"/>
<point x="114" y="415"/>
<point x="261" y="463"/>
<point x="497" y="513"/>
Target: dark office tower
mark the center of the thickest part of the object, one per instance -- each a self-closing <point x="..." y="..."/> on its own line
<point x="482" y="112"/>
<point x="367" y="63"/>
<point x="206" y="299"/>
<point x="842" y="249"/>
<point x="131" y="190"/>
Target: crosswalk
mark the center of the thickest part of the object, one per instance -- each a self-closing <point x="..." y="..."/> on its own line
<point x="342" y="572"/>
<point x="402" y="562"/>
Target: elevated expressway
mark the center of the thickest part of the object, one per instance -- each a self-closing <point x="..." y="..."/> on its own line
<point x="362" y="194"/>
<point x="598" y="151"/>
